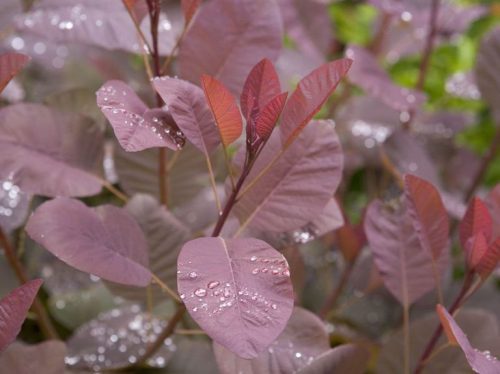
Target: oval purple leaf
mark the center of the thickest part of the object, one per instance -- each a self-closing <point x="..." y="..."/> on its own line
<point x="49" y="153"/>
<point x="104" y="241"/>
<point x="347" y="358"/>
<point x="303" y="339"/>
<point x="311" y="166"/>
<point x="208" y="48"/>
<point x="136" y="127"/>
<point x="187" y="105"/>
<point x="238" y="290"/>
<point x="13" y="310"/>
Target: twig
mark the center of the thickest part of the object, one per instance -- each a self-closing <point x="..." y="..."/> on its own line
<point x="42" y="316"/>
<point x="487" y="159"/>
<point x="163" y="175"/>
<point x="212" y="183"/>
<point x="120" y="195"/>
<point x="406" y="333"/>
<point x="337" y="291"/>
<point x="165" y="288"/>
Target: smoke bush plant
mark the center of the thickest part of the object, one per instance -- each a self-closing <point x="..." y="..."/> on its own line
<point x="242" y="216"/>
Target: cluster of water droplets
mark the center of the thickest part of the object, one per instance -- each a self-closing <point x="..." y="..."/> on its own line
<point x="116" y="339"/>
<point x="155" y="120"/>
<point x="462" y="85"/>
<point x="371" y="133"/>
<point x="13" y="205"/>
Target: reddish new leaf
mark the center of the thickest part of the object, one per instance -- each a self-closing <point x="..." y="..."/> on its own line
<point x="13" y="310"/>
<point x="238" y="290"/>
<point x="477" y="220"/>
<point x="303" y="339"/>
<point x="476" y="248"/>
<point x="261" y="86"/>
<point x="228" y="37"/>
<point x="50" y="153"/>
<point x="104" y="241"/>
<point x="269" y="116"/>
<point x="297" y="187"/>
<point x="489" y="258"/>
<point x="189" y="8"/>
<point x="138" y="8"/>
<point x="428" y="214"/>
<point x="136" y="127"/>
<point x="10" y="64"/>
<point x="224" y="109"/>
<point x="188" y="106"/>
<point x="404" y="261"/>
<point x="480" y="362"/>
<point x="310" y="95"/>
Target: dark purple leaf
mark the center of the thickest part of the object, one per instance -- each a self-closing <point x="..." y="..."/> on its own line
<point x="120" y="336"/>
<point x="48" y="357"/>
<point x="228" y="37"/>
<point x="238" y="290"/>
<point x="54" y="157"/>
<point x="104" y="241"/>
<point x="367" y="74"/>
<point x="297" y="187"/>
<point x="269" y="116"/>
<point x="480" y="362"/>
<point x="165" y="236"/>
<point x="409" y="251"/>
<point x="136" y="126"/>
<point x="310" y="95"/>
<point x="13" y="310"/>
<point x="10" y="64"/>
<point x="188" y="107"/>
<point x="261" y="86"/>
<point x="346" y="358"/>
<point x="303" y="339"/>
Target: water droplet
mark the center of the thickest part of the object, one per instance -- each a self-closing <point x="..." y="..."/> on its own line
<point x="253" y="258"/>
<point x="255" y="271"/>
<point x="200" y="292"/>
<point x="213" y="284"/>
<point x="193" y="275"/>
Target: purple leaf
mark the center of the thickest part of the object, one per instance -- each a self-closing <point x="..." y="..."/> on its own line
<point x="303" y="339"/>
<point x="308" y="24"/>
<point x="13" y="310"/>
<point x="238" y="290"/>
<point x="104" y="241"/>
<point x="261" y="86"/>
<point x="124" y="333"/>
<point x="138" y="173"/>
<point x="10" y="64"/>
<point x="347" y="358"/>
<point x="49" y="153"/>
<point x="136" y="127"/>
<point x="477" y="219"/>
<point x="367" y="74"/>
<point x="310" y="95"/>
<point x="488" y="79"/>
<point x="269" y="116"/>
<point x="297" y="187"/>
<point x="428" y="215"/>
<point x="480" y="325"/>
<point x="480" y="362"/>
<point x="493" y="202"/>
<point x="228" y="37"/>
<point x="405" y="245"/>
<point x="20" y="358"/>
<point x="188" y="107"/>
<point x="189" y="8"/>
<point x="165" y="236"/>
<point x="105" y="24"/>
